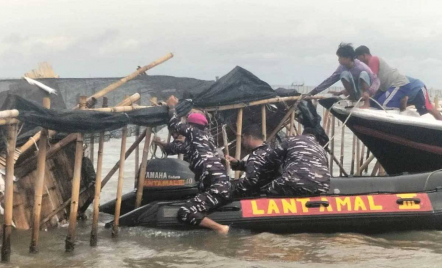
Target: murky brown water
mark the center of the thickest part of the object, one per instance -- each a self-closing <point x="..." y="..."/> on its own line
<point x="144" y="247"/>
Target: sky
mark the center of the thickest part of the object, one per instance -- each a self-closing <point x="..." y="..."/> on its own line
<point x="282" y="42"/>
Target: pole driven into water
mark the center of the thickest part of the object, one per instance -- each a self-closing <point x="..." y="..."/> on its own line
<point x="238" y="138"/>
<point x="94" y="231"/>
<point x="70" y="238"/>
<point x="9" y="193"/>
<point x="120" y="184"/>
<point x="39" y="183"/>
<point x="142" y="171"/>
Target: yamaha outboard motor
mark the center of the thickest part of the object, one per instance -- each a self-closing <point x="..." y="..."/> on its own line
<point x="165" y="179"/>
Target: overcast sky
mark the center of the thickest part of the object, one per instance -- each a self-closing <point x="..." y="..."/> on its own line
<point x="279" y="41"/>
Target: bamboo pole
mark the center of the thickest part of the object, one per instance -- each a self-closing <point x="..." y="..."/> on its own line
<point x="361" y="161"/>
<point x="292" y="124"/>
<point x="342" y="146"/>
<point x="381" y="170"/>
<point x="238" y="138"/>
<point x="92" y="147"/>
<point x="299" y="128"/>
<point x="120" y="184"/>
<point x="8" y="121"/>
<point x="39" y="183"/>
<point x="358" y="158"/>
<point x="337" y="163"/>
<point x="9" y="113"/>
<point x="367" y="162"/>
<point x="120" y="82"/>
<point x="94" y="237"/>
<point x="119" y="109"/>
<point x="281" y="123"/>
<point x="130" y="100"/>
<point x="137" y="152"/>
<point x="264" y="121"/>
<point x="226" y="147"/>
<point x="332" y="143"/>
<point x="142" y="171"/>
<point x="70" y="238"/>
<point x="9" y="194"/>
<point x="353" y="153"/>
<point x="375" y="168"/>
<point x="117" y="165"/>
<point x="260" y="102"/>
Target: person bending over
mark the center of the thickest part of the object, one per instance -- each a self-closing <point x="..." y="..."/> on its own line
<point x="213" y="183"/>
<point x="304" y="167"/>
<point x="357" y="78"/>
<point x="397" y="90"/>
<point x="259" y="171"/>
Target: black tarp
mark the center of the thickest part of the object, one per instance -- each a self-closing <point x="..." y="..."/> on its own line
<point x="238" y="86"/>
<point x="87" y="121"/>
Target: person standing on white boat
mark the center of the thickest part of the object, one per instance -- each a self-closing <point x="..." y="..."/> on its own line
<point x="397" y="90"/>
<point x="357" y="78"/>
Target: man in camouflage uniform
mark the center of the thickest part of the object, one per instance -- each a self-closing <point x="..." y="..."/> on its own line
<point x="305" y="167"/>
<point x="259" y="171"/>
<point x="214" y="184"/>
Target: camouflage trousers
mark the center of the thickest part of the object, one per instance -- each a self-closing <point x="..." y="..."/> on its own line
<point x="195" y="209"/>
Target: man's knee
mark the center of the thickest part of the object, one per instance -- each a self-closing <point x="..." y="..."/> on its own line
<point x="189" y="214"/>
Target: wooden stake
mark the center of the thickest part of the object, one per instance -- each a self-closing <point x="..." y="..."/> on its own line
<point x="70" y="239"/>
<point x="332" y="143"/>
<point x="282" y="123"/>
<point x="342" y="146"/>
<point x="142" y="172"/>
<point x="358" y="158"/>
<point x="264" y="121"/>
<point x="238" y="138"/>
<point x="120" y="184"/>
<point x="226" y="147"/>
<point x="337" y="163"/>
<point x="92" y="147"/>
<point x="362" y="157"/>
<point x="367" y="162"/>
<point x="137" y="151"/>
<point x="375" y="169"/>
<point x="94" y="237"/>
<point x="292" y="124"/>
<point x="353" y="153"/>
<point x="9" y="193"/>
<point x="39" y="183"/>
<point x="117" y="165"/>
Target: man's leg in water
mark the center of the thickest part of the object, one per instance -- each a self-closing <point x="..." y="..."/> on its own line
<point x="195" y="210"/>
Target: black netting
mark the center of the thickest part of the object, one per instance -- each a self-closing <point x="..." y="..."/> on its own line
<point x="67" y="121"/>
<point x="238" y="86"/>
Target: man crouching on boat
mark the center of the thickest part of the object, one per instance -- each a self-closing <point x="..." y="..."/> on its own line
<point x="259" y="171"/>
<point x="397" y="90"/>
<point x="357" y="78"/>
<point x="214" y="185"/>
<point x="304" y="165"/>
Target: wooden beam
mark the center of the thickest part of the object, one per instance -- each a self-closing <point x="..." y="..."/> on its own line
<point x="260" y="102"/>
<point x="120" y="184"/>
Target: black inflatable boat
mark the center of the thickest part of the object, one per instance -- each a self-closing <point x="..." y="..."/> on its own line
<point x="363" y="204"/>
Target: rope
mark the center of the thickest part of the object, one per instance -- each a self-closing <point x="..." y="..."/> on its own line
<point x="35" y="143"/>
<point x="345" y="122"/>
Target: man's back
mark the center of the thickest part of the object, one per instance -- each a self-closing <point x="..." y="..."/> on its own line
<point x="389" y="77"/>
<point x="306" y="157"/>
